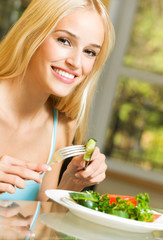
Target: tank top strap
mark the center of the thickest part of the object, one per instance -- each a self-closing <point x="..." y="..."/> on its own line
<point x="53" y="135"/>
<point x="53" y="141"/>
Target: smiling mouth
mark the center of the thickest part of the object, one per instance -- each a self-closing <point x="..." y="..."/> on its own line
<point x="64" y="73"/>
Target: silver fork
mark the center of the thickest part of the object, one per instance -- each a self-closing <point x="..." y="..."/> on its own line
<point x="67" y="152"/>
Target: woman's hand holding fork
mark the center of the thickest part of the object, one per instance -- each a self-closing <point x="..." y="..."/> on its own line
<point x="76" y="177"/>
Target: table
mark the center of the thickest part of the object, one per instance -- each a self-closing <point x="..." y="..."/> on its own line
<point x="49" y="220"/>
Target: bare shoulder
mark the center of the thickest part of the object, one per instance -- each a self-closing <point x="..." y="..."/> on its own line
<point x="66" y="129"/>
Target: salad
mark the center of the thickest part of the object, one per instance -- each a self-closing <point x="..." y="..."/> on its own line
<point x="130" y="207"/>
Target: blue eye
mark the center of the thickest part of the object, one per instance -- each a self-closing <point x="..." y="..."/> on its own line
<point x="91" y="53"/>
<point x="65" y="41"/>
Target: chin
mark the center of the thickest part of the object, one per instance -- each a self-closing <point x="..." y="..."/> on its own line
<point x="61" y="93"/>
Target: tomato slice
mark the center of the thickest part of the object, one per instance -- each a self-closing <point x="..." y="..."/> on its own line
<point x="156" y="216"/>
<point x="130" y="199"/>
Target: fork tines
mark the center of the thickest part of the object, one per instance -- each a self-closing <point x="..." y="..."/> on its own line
<point x="72" y="151"/>
<point x="67" y="152"/>
<point x="72" y="148"/>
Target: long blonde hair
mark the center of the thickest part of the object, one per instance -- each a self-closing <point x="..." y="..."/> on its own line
<point x="36" y="23"/>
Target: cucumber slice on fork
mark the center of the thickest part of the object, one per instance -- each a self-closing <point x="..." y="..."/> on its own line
<point x="89" y="148"/>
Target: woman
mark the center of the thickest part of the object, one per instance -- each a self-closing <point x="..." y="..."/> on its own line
<point x="49" y="65"/>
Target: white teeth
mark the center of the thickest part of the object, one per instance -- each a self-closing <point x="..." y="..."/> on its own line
<point x="64" y="74"/>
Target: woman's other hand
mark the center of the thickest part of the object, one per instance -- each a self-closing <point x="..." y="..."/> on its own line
<point x="14" y="172"/>
<point x="76" y="177"/>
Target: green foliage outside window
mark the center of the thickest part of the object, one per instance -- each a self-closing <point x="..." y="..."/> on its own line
<point x="136" y="130"/>
<point x="145" y="49"/>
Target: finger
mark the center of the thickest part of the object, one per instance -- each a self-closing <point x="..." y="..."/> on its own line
<point x="95" y="153"/>
<point x="27" y="164"/>
<point x="97" y="179"/>
<point x="92" y="181"/>
<point x="98" y="163"/>
<point x="5" y="187"/>
<point x="28" y="174"/>
<point x="76" y="164"/>
<point x="22" y="172"/>
<point x="94" y="169"/>
<point x="37" y="167"/>
<point x="12" y="179"/>
<point x="97" y="169"/>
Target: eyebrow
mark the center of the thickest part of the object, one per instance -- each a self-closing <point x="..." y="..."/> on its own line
<point x="74" y="36"/>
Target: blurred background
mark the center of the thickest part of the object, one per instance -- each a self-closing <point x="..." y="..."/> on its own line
<point x="127" y="113"/>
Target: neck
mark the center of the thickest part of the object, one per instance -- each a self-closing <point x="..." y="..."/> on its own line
<point x="21" y="100"/>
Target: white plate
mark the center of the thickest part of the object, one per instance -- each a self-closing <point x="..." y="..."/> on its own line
<point x="108" y="220"/>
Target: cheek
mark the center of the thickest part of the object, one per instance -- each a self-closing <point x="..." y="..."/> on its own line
<point x="46" y="49"/>
<point x="88" y="66"/>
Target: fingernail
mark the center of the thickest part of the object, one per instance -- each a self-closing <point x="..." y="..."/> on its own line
<point x="82" y="163"/>
<point x="32" y="234"/>
<point x="47" y="168"/>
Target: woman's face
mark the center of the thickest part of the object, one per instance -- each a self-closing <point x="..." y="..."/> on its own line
<point x="68" y="54"/>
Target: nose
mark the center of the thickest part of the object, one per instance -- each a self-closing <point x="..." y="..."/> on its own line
<point x="74" y="59"/>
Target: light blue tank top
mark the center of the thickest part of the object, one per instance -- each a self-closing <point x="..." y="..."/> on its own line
<point x="30" y="192"/>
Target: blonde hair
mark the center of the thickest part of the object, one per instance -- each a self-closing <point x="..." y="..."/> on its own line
<point x="36" y="23"/>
